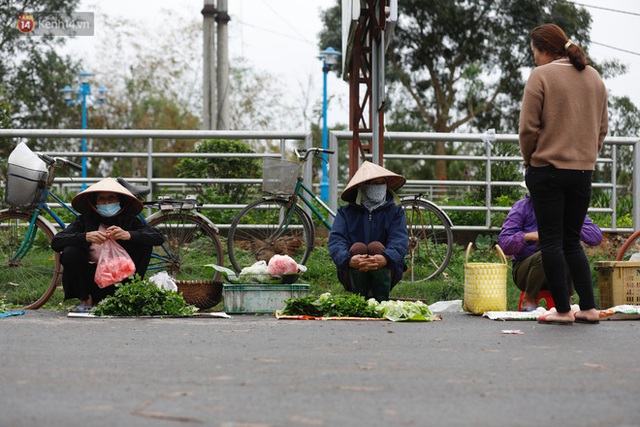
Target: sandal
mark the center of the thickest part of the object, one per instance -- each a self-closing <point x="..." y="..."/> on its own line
<point x="84" y="308"/>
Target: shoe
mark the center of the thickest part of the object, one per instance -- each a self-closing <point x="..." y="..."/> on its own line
<point x="530" y="308"/>
<point x="543" y="320"/>
<point x="590" y="322"/>
<point x="84" y="308"/>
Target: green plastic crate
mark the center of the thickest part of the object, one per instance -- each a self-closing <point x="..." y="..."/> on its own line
<point x="256" y="298"/>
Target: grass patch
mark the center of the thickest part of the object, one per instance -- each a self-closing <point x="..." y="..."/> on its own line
<point x="322" y="277"/>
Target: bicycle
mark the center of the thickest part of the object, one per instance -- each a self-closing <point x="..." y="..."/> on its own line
<point x="630" y="247"/>
<point x="30" y="271"/>
<point x="278" y="224"/>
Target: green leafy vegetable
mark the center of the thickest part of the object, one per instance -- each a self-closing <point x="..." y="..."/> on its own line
<point x="143" y="298"/>
<point x="398" y="311"/>
<point x="352" y="305"/>
<point x="327" y="305"/>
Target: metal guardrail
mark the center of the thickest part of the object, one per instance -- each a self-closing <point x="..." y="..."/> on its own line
<point x="339" y="143"/>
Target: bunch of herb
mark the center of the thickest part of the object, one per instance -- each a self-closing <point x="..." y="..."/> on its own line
<point x="140" y="297"/>
<point x="3" y="305"/>
<point x="328" y="305"/>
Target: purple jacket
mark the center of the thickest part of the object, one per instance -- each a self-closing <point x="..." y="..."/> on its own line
<point x="522" y="220"/>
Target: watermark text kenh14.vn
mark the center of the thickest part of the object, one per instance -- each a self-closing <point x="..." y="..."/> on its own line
<point x="56" y="24"/>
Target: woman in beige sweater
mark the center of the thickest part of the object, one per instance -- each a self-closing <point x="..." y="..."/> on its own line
<point x="563" y="123"/>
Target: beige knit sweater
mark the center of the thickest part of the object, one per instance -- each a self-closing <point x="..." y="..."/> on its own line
<point x="564" y="117"/>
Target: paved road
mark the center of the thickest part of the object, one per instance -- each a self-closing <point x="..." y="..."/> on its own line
<point x="257" y="371"/>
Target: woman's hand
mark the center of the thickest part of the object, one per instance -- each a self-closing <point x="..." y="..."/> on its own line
<point x="98" y="237"/>
<point x="116" y="233"/>
<point x="531" y="237"/>
<point x="367" y="262"/>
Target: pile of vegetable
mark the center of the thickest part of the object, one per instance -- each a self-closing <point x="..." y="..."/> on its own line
<point x="279" y="269"/>
<point x="141" y="297"/>
<point x="352" y="305"/>
<point x="3" y="305"/>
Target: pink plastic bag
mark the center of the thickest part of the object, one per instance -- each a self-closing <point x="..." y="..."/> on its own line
<point x="114" y="265"/>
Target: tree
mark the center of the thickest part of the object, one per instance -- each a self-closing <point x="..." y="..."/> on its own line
<point x="31" y="72"/>
<point x="458" y="65"/>
<point x="159" y="86"/>
<point x="228" y="167"/>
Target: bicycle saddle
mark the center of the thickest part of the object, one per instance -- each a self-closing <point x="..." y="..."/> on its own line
<point x="136" y="190"/>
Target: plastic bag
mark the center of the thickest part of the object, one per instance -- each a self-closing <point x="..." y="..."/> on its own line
<point x="114" y="264"/>
<point x="163" y="281"/>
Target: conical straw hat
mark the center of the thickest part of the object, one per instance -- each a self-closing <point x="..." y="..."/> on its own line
<point x="84" y="200"/>
<point x="367" y="172"/>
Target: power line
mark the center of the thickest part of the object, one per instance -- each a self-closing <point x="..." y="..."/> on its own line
<point x="608" y="9"/>
<point x="624" y="12"/>
<point x="286" y="22"/>
<point x="616" y="48"/>
<point x="268" y="30"/>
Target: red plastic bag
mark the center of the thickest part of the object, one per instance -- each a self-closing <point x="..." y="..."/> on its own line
<point x="114" y="265"/>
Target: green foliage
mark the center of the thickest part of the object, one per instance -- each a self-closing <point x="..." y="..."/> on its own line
<point x="222" y="167"/>
<point x="31" y="71"/>
<point x="624" y="213"/>
<point x="328" y="305"/>
<point x="140" y="297"/>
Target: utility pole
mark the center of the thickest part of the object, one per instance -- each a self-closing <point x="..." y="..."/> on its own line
<point x="209" y="107"/>
<point x="222" y="20"/>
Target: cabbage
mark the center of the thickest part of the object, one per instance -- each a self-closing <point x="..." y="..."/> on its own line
<point x="398" y="311"/>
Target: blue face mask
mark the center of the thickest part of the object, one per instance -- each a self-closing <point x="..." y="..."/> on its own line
<point x="109" y="210"/>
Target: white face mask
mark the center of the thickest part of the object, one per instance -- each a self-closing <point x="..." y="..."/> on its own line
<point x="109" y="210"/>
<point x="373" y="195"/>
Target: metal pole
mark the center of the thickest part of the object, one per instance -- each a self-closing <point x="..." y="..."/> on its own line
<point x="209" y="105"/>
<point x="636" y="186"/>
<point x="324" y="183"/>
<point x="222" y="21"/>
<point x="84" y="91"/>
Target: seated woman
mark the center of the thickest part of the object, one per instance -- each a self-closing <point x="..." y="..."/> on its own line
<point x="107" y="211"/>
<point x="368" y="239"/>
<point x="519" y="238"/>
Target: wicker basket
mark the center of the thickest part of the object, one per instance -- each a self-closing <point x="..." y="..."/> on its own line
<point x="204" y="294"/>
<point x="485" y="284"/>
<point x="279" y="176"/>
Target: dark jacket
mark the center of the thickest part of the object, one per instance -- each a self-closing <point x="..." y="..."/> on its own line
<point x="386" y="224"/>
<point x="75" y="233"/>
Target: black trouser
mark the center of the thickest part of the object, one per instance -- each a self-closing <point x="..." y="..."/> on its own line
<point x="371" y="284"/>
<point x="78" y="273"/>
<point x="560" y="200"/>
<point x="528" y="275"/>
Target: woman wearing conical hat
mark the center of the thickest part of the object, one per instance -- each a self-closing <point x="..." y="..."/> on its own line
<point x="107" y="211"/>
<point x="368" y="239"/>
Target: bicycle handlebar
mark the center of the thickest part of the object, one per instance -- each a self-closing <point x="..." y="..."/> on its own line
<point x="52" y="160"/>
<point x="303" y="153"/>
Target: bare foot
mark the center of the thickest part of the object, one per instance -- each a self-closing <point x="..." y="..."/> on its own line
<point x="554" y="316"/>
<point x="588" y="315"/>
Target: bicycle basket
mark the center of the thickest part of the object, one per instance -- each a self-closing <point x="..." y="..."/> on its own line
<point x="279" y="176"/>
<point x="26" y="178"/>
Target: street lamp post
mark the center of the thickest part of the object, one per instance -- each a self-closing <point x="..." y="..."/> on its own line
<point x="329" y="58"/>
<point x="83" y="94"/>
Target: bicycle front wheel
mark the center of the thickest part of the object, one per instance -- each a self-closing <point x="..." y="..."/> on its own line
<point x="268" y="227"/>
<point x="29" y="268"/>
<point x="629" y="247"/>
<point x="430" y="240"/>
<point x="190" y="244"/>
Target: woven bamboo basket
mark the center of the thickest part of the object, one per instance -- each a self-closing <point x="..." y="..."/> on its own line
<point x="204" y="294"/>
<point x="485" y="284"/>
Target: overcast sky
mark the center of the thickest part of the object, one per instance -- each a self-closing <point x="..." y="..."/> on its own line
<point x="280" y="36"/>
